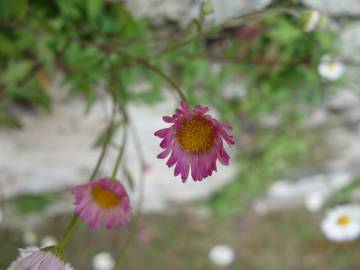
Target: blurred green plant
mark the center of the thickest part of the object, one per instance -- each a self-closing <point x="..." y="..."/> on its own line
<point x="90" y="41"/>
<point x="274" y="155"/>
<point x="33" y="203"/>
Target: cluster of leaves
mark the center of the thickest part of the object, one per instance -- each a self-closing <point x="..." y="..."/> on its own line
<point x="74" y="37"/>
<point x="95" y="41"/>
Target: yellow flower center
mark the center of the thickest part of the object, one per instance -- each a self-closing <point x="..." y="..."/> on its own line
<point x="343" y="220"/>
<point x="195" y="135"/>
<point x="104" y="197"/>
<point x="331" y="66"/>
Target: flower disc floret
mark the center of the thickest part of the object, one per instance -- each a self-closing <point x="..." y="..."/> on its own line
<point x="102" y="202"/>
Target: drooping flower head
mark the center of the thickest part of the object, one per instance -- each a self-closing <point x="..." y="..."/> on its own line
<point x="194" y="142"/>
<point x="342" y="223"/>
<point x="40" y="259"/>
<point x="102" y="202"/>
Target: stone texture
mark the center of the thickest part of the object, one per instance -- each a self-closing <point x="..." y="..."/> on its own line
<point x="342" y="99"/>
<point x="288" y="193"/>
<point x="341" y="152"/>
<point x="335" y="7"/>
<point x="159" y="11"/>
<point x="350" y="41"/>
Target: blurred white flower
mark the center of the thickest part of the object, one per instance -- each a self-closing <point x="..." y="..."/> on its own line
<point x="315" y="201"/>
<point x="47" y="241"/>
<point x="222" y="255"/>
<point x="29" y="238"/>
<point x="313" y="21"/>
<point x="330" y="69"/>
<point x="342" y="223"/>
<point x="103" y="261"/>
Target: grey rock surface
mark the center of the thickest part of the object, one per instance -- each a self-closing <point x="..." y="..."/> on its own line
<point x="350" y="42"/>
<point x="335" y="7"/>
<point x="288" y="193"/>
<point x="340" y="116"/>
<point x="159" y="11"/>
<point x="342" y="99"/>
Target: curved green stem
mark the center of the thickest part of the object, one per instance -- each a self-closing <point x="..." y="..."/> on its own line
<point x="75" y="219"/>
<point x="121" y="259"/>
<point x="69" y="231"/>
<point x="120" y="154"/>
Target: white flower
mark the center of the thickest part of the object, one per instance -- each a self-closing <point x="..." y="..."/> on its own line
<point x="315" y="201"/>
<point x="103" y="261"/>
<point x="222" y="255"/>
<point x="342" y="223"/>
<point x="313" y="21"/>
<point x="330" y="69"/>
<point x="47" y="241"/>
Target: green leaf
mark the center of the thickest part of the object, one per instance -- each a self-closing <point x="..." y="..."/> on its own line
<point x="31" y="92"/>
<point x="7" y="48"/>
<point x="17" y="71"/>
<point x="93" y="8"/>
<point x="8" y="120"/>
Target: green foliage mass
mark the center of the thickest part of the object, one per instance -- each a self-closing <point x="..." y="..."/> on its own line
<point x="93" y="41"/>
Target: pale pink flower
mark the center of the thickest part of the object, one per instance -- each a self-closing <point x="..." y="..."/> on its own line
<point x="40" y="259"/>
<point x="194" y="142"/>
<point x="102" y="202"/>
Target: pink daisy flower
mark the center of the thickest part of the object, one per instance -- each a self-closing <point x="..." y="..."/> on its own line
<point x="43" y="259"/>
<point x="194" y="141"/>
<point x="103" y="201"/>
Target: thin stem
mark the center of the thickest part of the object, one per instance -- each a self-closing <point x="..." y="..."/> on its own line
<point x="69" y="231"/>
<point x="75" y="219"/>
<point x="121" y="150"/>
<point x="164" y="76"/>
<point x="130" y="239"/>
<point x="148" y="65"/>
<point x="121" y="259"/>
<point x="245" y="17"/>
<point x="141" y="158"/>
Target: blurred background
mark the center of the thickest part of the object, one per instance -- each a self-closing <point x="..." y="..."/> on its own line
<point x="284" y="74"/>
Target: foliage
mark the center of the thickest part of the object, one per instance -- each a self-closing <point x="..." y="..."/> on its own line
<point x="31" y="203"/>
<point x="94" y="41"/>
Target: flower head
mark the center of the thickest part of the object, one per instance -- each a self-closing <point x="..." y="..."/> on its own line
<point x="103" y="261"/>
<point x="330" y="69"/>
<point x="313" y="20"/>
<point x="342" y="223"/>
<point x="222" y="255"/>
<point x="38" y="259"/>
<point x="104" y="202"/>
<point x="194" y="142"/>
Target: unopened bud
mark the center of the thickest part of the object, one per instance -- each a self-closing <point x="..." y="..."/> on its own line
<point x="207" y="7"/>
